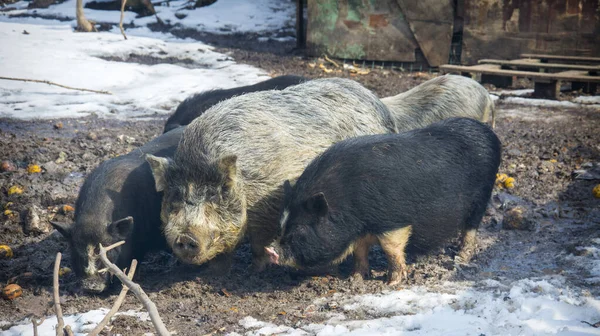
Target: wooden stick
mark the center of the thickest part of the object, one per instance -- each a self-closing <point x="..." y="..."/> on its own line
<point x="331" y="61"/>
<point x="57" y="308"/>
<point x="136" y="290"/>
<point x="37" y="324"/>
<point x="56" y="84"/>
<point x="118" y="302"/>
<point x="122" y="15"/>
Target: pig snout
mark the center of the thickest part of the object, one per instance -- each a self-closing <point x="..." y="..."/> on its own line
<point x="186" y="245"/>
<point x="273" y="255"/>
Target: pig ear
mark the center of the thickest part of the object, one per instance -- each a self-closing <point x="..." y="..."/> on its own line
<point x="121" y="228"/>
<point x="63" y="228"/>
<point x="317" y="204"/>
<point x="159" y="168"/>
<point x="228" y="166"/>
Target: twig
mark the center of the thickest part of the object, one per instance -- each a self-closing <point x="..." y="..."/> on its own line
<point x="56" y="84"/>
<point x="122" y="15"/>
<point x="57" y="308"/>
<point x="37" y="324"/>
<point x="118" y="302"/>
<point x="136" y="290"/>
<point x="331" y="61"/>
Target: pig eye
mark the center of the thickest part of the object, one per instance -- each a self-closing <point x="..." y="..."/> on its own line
<point x="190" y="202"/>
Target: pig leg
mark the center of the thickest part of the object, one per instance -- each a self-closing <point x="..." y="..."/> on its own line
<point x="468" y="246"/>
<point x="393" y="244"/>
<point x="361" y="257"/>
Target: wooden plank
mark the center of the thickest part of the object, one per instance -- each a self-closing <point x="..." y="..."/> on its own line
<point x="573" y="76"/>
<point x="431" y="22"/>
<point x="563" y="58"/>
<point x="533" y="65"/>
<point x="504" y="29"/>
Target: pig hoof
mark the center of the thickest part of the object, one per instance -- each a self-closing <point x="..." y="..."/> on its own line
<point x="397" y="277"/>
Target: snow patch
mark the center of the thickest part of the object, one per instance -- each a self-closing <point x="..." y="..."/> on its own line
<point x="525" y="307"/>
<point x="102" y="61"/>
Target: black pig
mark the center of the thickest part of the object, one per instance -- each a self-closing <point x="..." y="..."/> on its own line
<point x="194" y="106"/>
<point x="419" y="188"/>
<point x="117" y="201"/>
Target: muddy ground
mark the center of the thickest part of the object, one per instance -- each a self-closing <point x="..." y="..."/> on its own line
<point x="542" y="147"/>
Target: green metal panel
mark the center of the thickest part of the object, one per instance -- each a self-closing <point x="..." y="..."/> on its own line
<point x="359" y="29"/>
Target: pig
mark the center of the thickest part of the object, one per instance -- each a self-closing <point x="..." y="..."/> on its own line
<point x="117" y="201"/>
<point x="414" y="190"/>
<point x="194" y="106"/>
<point x="226" y="177"/>
<point x="440" y="98"/>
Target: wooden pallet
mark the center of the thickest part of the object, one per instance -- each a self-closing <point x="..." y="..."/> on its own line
<point x="546" y="85"/>
<point x="527" y="64"/>
<point x="561" y="59"/>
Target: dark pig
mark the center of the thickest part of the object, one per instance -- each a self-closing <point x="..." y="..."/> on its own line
<point x="227" y="175"/>
<point x="440" y="98"/>
<point x="420" y="188"/>
<point x="194" y="106"/>
<point x="117" y="201"/>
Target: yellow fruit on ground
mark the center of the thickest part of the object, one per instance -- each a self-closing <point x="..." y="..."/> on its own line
<point x="33" y="168"/>
<point x="15" y="190"/>
<point x="500" y="178"/>
<point x="12" y="291"/>
<point x="5" y="252"/>
<point x="509" y="183"/>
<point x="64" y="271"/>
<point x="596" y="191"/>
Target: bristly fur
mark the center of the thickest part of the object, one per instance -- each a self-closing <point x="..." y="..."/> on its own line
<point x="274" y="135"/>
<point x="441" y="98"/>
<point x="197" y="104"/>
<point x="423" y="187"/>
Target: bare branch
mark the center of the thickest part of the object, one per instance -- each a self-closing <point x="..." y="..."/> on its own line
<point x="68" y="331"/>
<point x="122" y="15"/>
<point x="110" y="247"/>
<point x="56" y="84"/>
<point x="37" y="324"/>
<point x="83" y="24"/>
<point x="137" y="291"/>
<point x="118" y="302"/>
<point x="57" y="308"/>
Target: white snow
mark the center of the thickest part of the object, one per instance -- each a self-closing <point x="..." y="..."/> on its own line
<point x="57" y="54"/>
<point x="587" y="100"/>
<point x="222" y="17"/>
<point x="525" y="307"/>
<point x="81" y="324"/>
<point x="546" y="102"/>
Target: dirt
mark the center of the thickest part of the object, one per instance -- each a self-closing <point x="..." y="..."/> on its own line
<point x="542" y="147"/>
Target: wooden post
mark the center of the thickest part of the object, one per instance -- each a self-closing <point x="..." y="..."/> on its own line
<point x="585" y="87"/>
<point x="300" y="27"/>
<point x="497" y="81"/>
<point x="547" y="89"/>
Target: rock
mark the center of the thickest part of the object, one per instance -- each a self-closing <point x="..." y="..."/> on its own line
<point x="126" y="139"/>
<point x="33" y="224"/>
<point x="92" y="136"/>
<point x="62" y="156"/>
<point x="51" y="168"/>
<point x="518" y="218"/>
<point x="88" y="156"/>
<point x="58" y="125"/>
<point x="7" y="166"/>
<point x="514" y="152"/>
<point x="545" y="167"/>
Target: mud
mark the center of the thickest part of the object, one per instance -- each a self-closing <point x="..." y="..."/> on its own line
<point x="542" y="147"/>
